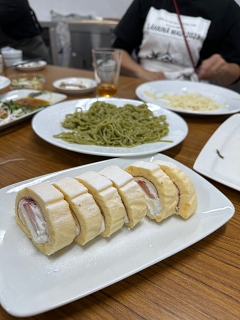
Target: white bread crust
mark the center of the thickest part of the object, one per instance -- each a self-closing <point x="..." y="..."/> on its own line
<point x="164" y="186"/>
<point x="107" y="198"/>
<point x="57" y="214"/>
<point x="188" y="202"/>
<point x="83" y="206"/>
<point x="131" y="194"/>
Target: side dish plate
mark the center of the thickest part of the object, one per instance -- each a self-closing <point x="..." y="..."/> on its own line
<point x="32" y="283"/>
<point x="75" y="86"/>
<point x="4" y="82"/>
<point x="49" y="96"/>
<point x="220" y="157"/>
<point x="32" y="66"/>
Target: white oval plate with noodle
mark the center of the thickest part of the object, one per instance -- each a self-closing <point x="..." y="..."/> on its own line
<point x="47" y="123"/>
<point x="227" y="100"/>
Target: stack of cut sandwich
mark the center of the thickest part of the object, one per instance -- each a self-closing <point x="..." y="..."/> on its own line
<point x="100" y="203"/>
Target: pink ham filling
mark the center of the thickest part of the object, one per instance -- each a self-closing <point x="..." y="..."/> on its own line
<point x="30" y="211"/>
<point x="29" y="205"/>
<point x="145" y="188"/>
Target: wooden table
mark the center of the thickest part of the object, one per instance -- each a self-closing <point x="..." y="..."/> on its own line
<point x="200" y="282"/>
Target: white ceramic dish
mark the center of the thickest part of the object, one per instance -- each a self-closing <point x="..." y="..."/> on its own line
<point x="72" y="86"/>
<point x="32" y="283"/>
<point x="52" y="97"/>
<point x="48" y="124"/>
<point x="220" y="157"/>
<point x="4" y="82"/>
<point x="32" y="66"/>
<point x="11" y="56"/>
<point x="152" y="92"/>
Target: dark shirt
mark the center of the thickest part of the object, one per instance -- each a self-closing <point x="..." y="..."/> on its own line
<point x="223" y="35"/>
<point x="17" y="20"/>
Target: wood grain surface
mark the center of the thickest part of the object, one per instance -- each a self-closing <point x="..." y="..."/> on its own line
<point x="200" y="282"/>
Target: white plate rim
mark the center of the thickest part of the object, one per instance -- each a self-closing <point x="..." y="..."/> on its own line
<point x="24" y="67"/>
<point x="209" y="151"/>
<point x="4" y="82"/>
<point x="77" y="90"/>
<point x="173" y="85"/>
<point x="178" y="127"/>
<point x="214" y="210"/>
<point x="20" y="93"/>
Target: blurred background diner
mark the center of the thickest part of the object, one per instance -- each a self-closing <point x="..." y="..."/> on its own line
<point x="155" y="30"/>
<point x="20" y="29"/>
<point x="70" y="32"/>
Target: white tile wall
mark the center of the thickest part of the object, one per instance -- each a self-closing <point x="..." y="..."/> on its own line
<point x="99" y="8"/>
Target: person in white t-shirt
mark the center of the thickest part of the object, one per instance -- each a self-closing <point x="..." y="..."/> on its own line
<point x="151" y="28"/>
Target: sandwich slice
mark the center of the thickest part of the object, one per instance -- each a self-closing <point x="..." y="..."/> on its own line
<point x="130" y="192"/>
<point x="45" y="217"/>
<point x="107" y="198"/>
<point x="187" y="196"/>
<point x="160" y="192"/>
<point x="84" y="207"/>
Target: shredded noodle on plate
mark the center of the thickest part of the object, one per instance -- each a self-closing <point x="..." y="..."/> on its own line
<point x="193" y="101"/>
<point x="105" y="124"/>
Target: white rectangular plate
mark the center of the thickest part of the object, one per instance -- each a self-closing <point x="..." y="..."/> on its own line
<point x="32" y="283"/>
<point x="220" y="157"/>
<point x="52" y="97"/>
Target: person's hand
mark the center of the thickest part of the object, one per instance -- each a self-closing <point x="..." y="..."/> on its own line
<point x="214" y="67"/>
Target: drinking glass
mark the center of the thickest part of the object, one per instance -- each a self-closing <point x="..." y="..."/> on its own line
<point x="106" y="65"/>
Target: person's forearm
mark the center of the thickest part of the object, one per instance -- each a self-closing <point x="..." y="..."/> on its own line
<point x="131" y="68"/>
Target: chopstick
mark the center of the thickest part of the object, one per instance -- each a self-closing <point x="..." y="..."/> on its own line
<point x="184" y="36"/>
<point x="25" y="61"/>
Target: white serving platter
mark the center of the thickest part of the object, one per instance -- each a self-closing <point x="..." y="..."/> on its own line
<point x="32" y="283"/>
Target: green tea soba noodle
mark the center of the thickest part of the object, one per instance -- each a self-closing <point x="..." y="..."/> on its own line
<point x="105" y="124"/>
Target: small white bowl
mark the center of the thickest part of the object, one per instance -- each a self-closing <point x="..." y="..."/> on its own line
<point x="11" y="57"/>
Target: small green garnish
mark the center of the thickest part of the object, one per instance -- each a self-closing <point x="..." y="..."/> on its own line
<point x="219" y="154"/>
